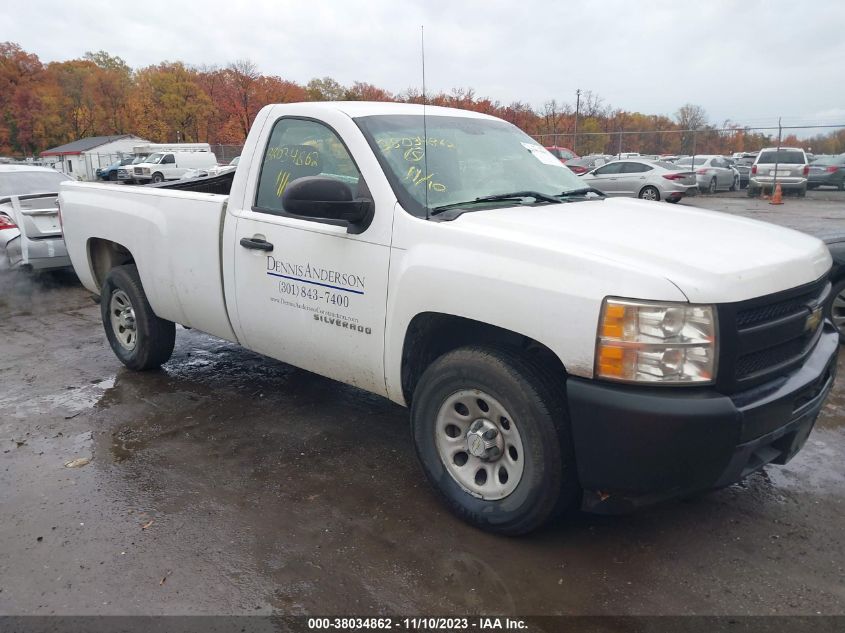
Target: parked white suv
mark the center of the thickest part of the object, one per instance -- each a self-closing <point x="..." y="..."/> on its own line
<point x="172" y="165"/>
<point x="785" y="166"/>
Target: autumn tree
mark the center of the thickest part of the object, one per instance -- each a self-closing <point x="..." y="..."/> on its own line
<point x="20" y="73"/>
<point x="240" y="78"/>
<point x="110" y="83"/>
<point x="690" y="117"/>
<point x="171" y="102"/>
<point x="45" y="105"/>
<point x="362" y="91"/>
<point x="325" y="89"/>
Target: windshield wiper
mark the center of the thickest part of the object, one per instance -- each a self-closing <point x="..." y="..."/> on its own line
<point x="499" y="197"/>
<point x="582" y="191"/>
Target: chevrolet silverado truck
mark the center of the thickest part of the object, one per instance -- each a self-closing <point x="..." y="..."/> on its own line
<point x="557" y="349"/>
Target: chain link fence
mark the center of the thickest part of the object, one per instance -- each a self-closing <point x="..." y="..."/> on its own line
<point x="692" y="141"/>
<point x="225" y="153"/>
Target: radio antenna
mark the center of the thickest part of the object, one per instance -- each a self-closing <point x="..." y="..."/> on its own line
<point x="425" y="128"/>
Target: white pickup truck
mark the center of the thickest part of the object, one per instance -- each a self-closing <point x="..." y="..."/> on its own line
<point x="556" y="349"/>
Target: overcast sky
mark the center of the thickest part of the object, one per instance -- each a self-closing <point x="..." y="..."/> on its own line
<point x="748" y="61"/>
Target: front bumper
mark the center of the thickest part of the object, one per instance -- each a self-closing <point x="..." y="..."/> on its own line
<point x="635" y="445"/>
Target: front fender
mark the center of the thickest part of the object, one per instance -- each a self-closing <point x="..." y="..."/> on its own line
<point x="540" y="293"/>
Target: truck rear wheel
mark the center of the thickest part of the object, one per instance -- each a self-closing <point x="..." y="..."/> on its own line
<point x="140" y="339"/>
<point x="492" y="435"/>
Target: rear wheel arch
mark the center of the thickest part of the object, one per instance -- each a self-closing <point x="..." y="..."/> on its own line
<point x="430" y="335"/>
<point x="103" y="255"/>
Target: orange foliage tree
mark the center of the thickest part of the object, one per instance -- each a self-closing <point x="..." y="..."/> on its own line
<point x="45" y="105"/>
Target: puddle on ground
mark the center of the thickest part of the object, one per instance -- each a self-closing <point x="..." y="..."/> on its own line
<point x="69" y="402"/>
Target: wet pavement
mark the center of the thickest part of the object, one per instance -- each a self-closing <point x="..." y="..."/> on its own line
<point x="231" y="483"/>
<point x="821" y="213"/>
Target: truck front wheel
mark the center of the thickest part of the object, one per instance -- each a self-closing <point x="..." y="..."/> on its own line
<point x="491" y="433"/>
<point x="158" y="177"/>
<point x="139" y="338"/>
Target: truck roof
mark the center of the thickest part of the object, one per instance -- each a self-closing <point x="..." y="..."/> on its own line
<point x="19" y="168"/>
<point x="357" y="109"/>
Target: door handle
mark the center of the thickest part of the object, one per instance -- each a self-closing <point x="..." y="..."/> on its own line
<point x="256" y="244"/>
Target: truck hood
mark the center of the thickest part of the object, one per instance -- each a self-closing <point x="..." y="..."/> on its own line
<point x="712" y="257"/>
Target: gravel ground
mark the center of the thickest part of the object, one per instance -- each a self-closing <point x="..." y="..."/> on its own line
<point x="231" y="483"/>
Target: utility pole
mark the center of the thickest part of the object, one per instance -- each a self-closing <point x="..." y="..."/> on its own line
<point x="777" y="157"/>
<point x="577" y="109"/>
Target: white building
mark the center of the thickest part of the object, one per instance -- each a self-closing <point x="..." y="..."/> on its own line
<point x="81" y="159"/>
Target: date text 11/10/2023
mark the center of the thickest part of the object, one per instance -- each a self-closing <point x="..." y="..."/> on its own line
<point x="419" y="623"/>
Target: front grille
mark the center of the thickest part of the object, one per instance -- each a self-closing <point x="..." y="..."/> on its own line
<point x="766" y="337"/>
<point x="772" y="311"/>
<point x="138" y="171"/>
<point x="756" y="362"/>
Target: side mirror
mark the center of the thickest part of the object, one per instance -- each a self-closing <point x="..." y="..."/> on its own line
<point x="327" y="198"/>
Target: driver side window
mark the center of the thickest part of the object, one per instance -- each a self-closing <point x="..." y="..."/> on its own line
<point x="610" y="168"/>
<point x="298" y="148"/>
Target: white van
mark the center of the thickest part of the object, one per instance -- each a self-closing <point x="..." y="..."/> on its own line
<point x="161" y="166"/>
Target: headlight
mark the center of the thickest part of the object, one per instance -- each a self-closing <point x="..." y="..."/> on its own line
<point x="650" y="342"/>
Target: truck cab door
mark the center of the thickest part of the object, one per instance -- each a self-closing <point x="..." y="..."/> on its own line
<point x="309" y="292"/>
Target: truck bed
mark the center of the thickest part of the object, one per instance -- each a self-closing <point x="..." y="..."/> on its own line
<point x="173" y="237"/>
<point x="221" y="184"/>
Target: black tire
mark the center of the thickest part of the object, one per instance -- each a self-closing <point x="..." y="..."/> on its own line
<point x="752" y="192"/>
<point x="536" y="402"/>
<point x="113" y="176"/>
<point x="155" y="337"/>
<point x="649" y="192"/>
<point x="837" y="290"/>
<point x="802" y="192"/>
<point x="841" y="185"/>
<point x="158" y="177"/>
<point x="735" y="184"/>
<point x="711" y="189"/>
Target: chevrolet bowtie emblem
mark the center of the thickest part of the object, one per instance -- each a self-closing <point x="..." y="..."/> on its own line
<point x="813" y="320"/>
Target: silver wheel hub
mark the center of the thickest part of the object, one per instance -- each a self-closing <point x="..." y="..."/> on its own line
<point x="479" y="444"/>
<point x="123" y="320"/>
<point x="838" y="311"/>
<point x="484" y="440"/>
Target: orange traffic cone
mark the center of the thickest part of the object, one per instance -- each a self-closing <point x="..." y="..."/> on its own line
<point x="778" y="197"/>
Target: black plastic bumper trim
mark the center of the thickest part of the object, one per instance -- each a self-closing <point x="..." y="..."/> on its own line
<point x="635" y="445"/>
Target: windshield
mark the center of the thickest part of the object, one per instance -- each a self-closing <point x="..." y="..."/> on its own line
<point x="18" y="183"/>
<point x="138" y="159"/>
<point x="467" y="158"/>
<point x="788" y="157"/>
<point x="154" y="158"/>
<point x="686" y="162"/>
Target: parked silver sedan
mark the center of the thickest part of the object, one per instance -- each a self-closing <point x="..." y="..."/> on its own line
<point x="646" y="179"/>
<point x="712" y="172"/>
<point x="30" y="234"/>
